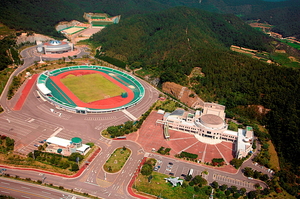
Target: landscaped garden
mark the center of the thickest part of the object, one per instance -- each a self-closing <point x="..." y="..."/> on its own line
<point x="117" y="160"/>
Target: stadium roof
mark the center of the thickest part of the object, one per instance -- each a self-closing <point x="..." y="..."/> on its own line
<point x="43" y="89"/>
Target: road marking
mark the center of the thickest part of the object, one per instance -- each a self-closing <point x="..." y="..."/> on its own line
<point x="26" y="187"/>
<point x="4" y="191"/>
<point x="5" y="182"/>
<point x="26" y="196"/>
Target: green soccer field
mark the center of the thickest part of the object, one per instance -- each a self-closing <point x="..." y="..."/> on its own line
<point x="91" y="87"/>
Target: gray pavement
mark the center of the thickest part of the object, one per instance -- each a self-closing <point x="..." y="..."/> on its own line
<point x="36" y="122"/>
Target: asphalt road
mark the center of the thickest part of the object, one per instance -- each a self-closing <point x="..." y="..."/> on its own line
<point x="19" y="189"/>
<point x="36" y="122"/>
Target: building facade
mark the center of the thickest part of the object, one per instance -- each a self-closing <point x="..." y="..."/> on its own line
<point x="209" y="123"/>
<point x="55" y="47"/>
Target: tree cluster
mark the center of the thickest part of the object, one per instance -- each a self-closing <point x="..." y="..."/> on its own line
<point x="57" y="160"/>
<point x="184" y="154"/>
<point x="6" y="144"/>
<point x="164" y="151"/>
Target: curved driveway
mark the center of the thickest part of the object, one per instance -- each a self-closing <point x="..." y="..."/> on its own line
<point x="36" y="122"/>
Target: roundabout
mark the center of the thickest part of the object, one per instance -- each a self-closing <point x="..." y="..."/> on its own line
<point x="90" y="89"/>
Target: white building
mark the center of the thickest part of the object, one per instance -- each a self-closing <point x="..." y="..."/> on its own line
<point x="209" y="123"/>
<point x="66" y="147"/>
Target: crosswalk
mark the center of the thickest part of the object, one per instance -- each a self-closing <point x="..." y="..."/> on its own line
<point x="100" y="118"/>
<point x="234" y="181"/>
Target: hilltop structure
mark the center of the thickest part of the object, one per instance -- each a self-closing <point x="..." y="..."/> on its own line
<point x="209" y="123"/>
<point x="101" y="19"/>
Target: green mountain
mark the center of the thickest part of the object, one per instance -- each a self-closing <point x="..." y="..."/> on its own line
<point x="42" y="16"/>
<point x="170" y="43"/>
<point x="174" y="34"/>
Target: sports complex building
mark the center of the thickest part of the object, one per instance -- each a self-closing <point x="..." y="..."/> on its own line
<point x="209" y="123"/>
<point x="89" y="89"/>
<point x="55" y="47"/>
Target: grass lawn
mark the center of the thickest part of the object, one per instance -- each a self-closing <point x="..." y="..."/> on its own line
<point x="274" y="161"/>
<point x="117" y="160"/>
<point x="92" y="87"/>
<point x="159" y="187"/>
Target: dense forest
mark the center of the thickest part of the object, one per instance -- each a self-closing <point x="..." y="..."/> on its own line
<point x="171" y="43"/>
<point x="42" y="16"/>
<point x="174" y="34"/>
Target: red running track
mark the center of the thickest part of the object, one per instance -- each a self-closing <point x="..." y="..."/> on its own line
<point x="108" y="103"/>
<point x="18" y="106"/>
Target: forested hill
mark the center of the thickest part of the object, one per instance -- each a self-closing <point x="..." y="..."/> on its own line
<point x="42" y="16"/>
<point x="169" y="44"/>
<point x="174" y="33"/>
<point x="284" y="15"/>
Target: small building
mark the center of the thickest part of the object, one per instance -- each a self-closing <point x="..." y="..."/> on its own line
<point x="66" y="147"/>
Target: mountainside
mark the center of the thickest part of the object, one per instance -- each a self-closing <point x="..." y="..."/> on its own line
<point x="42" y="16"/>
<point x="174" y="34"/>
<point x="169" y="44"/>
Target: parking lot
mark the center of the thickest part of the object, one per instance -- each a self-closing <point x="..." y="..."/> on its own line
<point x="232" y="181"/>
<point x="177" y="168"/>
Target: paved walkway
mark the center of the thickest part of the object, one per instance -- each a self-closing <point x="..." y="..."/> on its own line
<point x="150" y="136"/>
<point x="25" y="93"/>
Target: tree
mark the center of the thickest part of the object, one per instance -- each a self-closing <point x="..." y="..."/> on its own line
<point x="236" y="195"/>
<point x="223" y="187"/>
<point x="74" y="167"/>
<point x="215" y="184"/>
<point x="256" y="185"/>
<point x="264" y="177"/>
<point x="257" y="174"/>
<point x="252" y="194"/>
<point x="146" y="169"/>
<point x="227" y="192"/>
<point x="243" y="191"/>
<point x="188" y="177"/>
<point x="75" y="156"/>
<point x="233" y="189"/>
<point x="248" y="172"/>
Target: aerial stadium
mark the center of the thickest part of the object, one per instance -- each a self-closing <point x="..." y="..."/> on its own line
<point x="89" y="89"/>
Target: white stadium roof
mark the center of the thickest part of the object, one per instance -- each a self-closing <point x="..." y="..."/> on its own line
<point x="43" y="89"/>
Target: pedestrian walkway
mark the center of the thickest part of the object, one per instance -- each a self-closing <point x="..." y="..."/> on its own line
<point x="129" y="115"/>
<point x="25" y="93"/>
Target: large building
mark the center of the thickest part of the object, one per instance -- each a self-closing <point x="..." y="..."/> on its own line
<point x="54" y="47"/>
<point x="209" y="123"/>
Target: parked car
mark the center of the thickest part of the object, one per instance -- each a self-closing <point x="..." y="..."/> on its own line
<point x="171" y="174"/>
<point x="41" y="141"/>
<point x="36" y="145"/>
<point x="155" y="169"/>
<point x="170" y="163"/>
